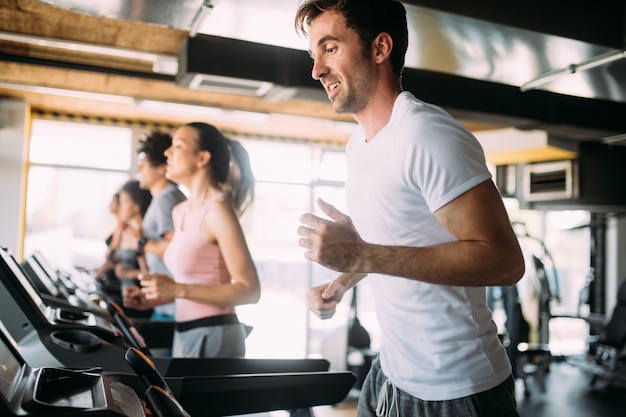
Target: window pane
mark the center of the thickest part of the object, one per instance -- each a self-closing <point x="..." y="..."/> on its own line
<point x="67" y="214"/>
<point x="277" y="161"/>
<point x="329" y="338"/>
<point x="332" y="166"/>
<point x="83" y="145"/>
<point x="280" y="317"/>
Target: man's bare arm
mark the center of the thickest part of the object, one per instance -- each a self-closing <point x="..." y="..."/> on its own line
<point x="487" y="251"/>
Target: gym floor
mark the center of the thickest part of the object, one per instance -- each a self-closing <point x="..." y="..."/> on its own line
<point x="568" y="393"/>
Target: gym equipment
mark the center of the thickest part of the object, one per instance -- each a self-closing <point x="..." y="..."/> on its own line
<point x="231" y="385"/>
<point x="47" y="341"/>
<point x="605" y="358"/>
<point x="53" y="289"/>
<point x="71" y="392"/>
<point x="79" y="290"/>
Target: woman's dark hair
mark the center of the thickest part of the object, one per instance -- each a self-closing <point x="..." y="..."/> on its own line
<point x="229" y="164"/>
<point x="368" y="18"/>
<point x="140" y="196"/>
<point x="153" y="146"/>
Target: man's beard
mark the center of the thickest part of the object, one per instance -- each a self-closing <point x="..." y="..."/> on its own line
<point x="353" y="100"/>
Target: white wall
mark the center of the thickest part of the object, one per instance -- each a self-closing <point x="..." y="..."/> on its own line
<point x="14" y="116"/>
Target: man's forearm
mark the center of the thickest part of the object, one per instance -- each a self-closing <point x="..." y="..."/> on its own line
<point x="465" y="263"/>
<point x="349" y="280"/>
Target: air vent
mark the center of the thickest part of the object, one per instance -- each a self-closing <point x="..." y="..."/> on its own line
<point x="233" y="66"/>
<point x="229" y="85"/>
<point x="550" y="181"/>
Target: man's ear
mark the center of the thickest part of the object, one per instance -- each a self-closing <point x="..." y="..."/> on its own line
<point x="382" y="46"/>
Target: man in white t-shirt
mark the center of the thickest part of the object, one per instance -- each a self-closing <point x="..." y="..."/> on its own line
<point x="427" y="225"/>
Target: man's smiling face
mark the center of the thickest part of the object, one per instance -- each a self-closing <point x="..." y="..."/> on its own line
<point x="340" y="64"/>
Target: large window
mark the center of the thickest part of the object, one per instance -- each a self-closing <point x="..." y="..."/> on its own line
<point x="74" y="170"/>
<point x="290" y="177"/>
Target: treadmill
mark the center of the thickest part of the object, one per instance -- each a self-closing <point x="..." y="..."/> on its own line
<point x="73" y="392"/>
<point x="53" y="391"/>
<point x="55" y="342"/>
<point x="274" y="384"/>
<point x="81" y="290"/>
<point x="53" y="291"/>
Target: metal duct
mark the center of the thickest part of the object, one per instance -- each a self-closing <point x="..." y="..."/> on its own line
<point x="239" y="67"/>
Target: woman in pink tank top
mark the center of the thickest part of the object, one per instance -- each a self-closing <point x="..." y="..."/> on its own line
<point x="208" y="257"/>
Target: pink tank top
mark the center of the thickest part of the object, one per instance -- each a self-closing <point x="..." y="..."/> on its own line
<point x="192" y="260"/>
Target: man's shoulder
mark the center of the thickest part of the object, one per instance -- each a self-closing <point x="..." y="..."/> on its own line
<point x="167" y="200"/>
<point x="414" y="117"/>
<point x="411" y="106"/>
<point x="172" y="194"/>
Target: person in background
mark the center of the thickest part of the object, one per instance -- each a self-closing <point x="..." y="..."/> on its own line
<point x="157" y="228"/>
<point x="427" y="225"/>
<point x="134" y="202"/>
<point x="104" y="271"/>
<point x="212" y="269"/>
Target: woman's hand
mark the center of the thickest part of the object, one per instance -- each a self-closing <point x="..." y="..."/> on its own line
<point x="133" y="297"/>
<point x="159" y="287"/>
<point x="123" y="272"/>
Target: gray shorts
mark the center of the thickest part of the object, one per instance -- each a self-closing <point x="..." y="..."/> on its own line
<point x="222" y="341"/>
<point x="378" y="392"/>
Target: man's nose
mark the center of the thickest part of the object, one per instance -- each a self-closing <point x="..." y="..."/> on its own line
<point x="319" y="69"/>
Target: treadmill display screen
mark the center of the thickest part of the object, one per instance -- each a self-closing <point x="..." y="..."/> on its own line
<point x="44" y="264"/>
<point x="42" y="276"/>
<point x="9" y="368"/>
<point x="25" y="283"/>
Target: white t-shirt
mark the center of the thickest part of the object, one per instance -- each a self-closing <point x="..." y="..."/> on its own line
<point x="439" y="342"/>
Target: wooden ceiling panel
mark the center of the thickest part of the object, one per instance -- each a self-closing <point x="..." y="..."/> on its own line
<point x="40" y="19"/>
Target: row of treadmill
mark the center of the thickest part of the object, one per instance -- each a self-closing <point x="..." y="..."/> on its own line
<point x="67" y="349"/>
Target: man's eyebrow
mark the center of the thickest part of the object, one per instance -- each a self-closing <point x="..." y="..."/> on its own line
<point x="322" y="41"/>
<point x="326" y="38"/>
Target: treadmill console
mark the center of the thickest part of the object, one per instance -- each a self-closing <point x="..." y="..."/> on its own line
<point x="65" y="392"/>
<point x="69" y="392"/>
<point x="53" y="315"/>
<point x="59" y="391"/>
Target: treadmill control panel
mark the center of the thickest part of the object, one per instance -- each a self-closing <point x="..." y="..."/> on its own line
<point x="67" y="392"/>
<point x="61" y="390"/>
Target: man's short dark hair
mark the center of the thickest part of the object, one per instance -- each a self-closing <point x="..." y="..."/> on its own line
<point x="368" y="18"/>
<point x="153" y="146"/>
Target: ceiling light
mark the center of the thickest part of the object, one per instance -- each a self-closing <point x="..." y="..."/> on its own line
<point x="596" y="61"/>
<point x="615" y="140"/>
<point x="85" y="95"/>
<point x="201" y="14"/>
<point x="161" y="63"/>
<point x="179" y="108"/>
<point x="199" y="110"/>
